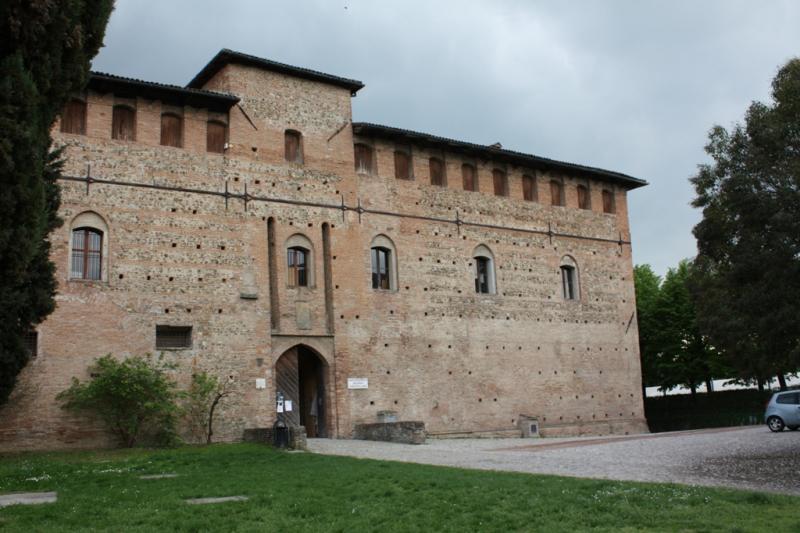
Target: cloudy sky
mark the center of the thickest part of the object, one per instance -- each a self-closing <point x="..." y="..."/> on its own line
<point x="627" y="85"/>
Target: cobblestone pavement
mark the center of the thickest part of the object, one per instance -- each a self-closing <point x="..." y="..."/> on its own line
<point x="743" y="458"/>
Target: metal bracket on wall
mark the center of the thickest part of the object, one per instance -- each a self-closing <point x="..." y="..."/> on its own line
<point x="550" y="231"/>
<point x="458" y="222"/>
<point x="245" y="196"/>
<point x="227" y="195"/>
<point x="88" y="178"/>
<point x="630" y="321"/>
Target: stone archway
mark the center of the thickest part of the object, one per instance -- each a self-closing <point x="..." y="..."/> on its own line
<point x="301" y="377"/>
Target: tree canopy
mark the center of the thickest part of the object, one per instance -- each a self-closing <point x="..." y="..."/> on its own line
<point x="45" y="52"/>
<point x="747" y="275"/>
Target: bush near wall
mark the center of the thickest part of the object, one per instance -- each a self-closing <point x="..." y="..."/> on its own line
<point x="718" y="409"/>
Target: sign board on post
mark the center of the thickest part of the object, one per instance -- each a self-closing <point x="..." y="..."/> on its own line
<point x="357" y="383"/>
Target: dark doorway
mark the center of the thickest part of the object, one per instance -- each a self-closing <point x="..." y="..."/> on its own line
<point x="300" y="378"/>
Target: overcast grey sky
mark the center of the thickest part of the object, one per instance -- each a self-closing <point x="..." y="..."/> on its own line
<point x="627" y="85"/>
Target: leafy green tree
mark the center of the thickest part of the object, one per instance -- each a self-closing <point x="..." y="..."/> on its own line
<point x="134" y="396"/>
<point x="45" y="51"/>
<point x="204" y="395"/>
<point x="747" y="275"/>
<point x="648" y="286"/>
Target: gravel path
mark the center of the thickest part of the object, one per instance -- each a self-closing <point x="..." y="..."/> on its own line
<point x="748" y="458"/>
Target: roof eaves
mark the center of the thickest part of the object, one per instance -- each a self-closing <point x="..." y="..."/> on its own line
<point x="226" y="56"/>
<point x="503" y="154"/>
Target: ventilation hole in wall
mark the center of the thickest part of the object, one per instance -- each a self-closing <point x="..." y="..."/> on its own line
<point x="171" y="278"/>
<point x="459" y="316"/>
<point x="592" y="395"/>
<point x="174" y="245"/>
<point x="258" y="182"/>
<point x="429" y="345"/>
<point x="188" y="309"/>
<point x="450" y="372"/>
<point x="372" y="402"/>
<point x="544" y="418"/>
<point x="503" y="347"/>
<point x="425" y="289"/>
<point x="221" y="246"/>
<point x="426" y="313"/>
<point x="173" y="210"/>
<point x="548" y="297"/>
<point x="619" y="395"/>
<point x="199" y="279"/>
<point x="166" y="311"/>
<point x="519" y="347"/>
<point x="299" y="187"/>
<point x="497" y="241"/>
<point x="561" y="418"/>
<point x="606" y="415"/>
<point x="540" y="372"/>
<point x="357" y="317"/>
<point x="291" y="223"/>
<point x="194" y="211"/>
<point x="420" y="259"/>
<point x="512" y="420"/>
<point x="495" y="399"/>
<point x="121" y="276"/>
<point x="626" y="349"/>
<point x="219" y="311"/>
<point x="417" y="232"/>
<point x="334" y="258"/>
<point x="395" y="402"/>
<point x="391" y="311"/>
<point x="593" y="416"/>
<point x="508" y="317"/>
<point x="235" y="179"/>
<point x="579" y="417"/>
<point x="480" y="399"/>
<point x="341" y="316"/>
<point x="385" y="345"/>
<point x="555" y="372"/>
<point x="573" y="348"/>
<point x="336" y="192"/>
<point x="469" y="373"/>
<point x="601" y="371"/>
<point x="197" y="246"/>
<point x="148" y="278"/>
<point x="538" y="347"/>
<point x="416" y="203"/>
<point x="464" y="237"/>
<point x="336" y="286"/>
<point x="407" y="287"/>
<point x="388" y="372"/>
<point x="492" y="317"/>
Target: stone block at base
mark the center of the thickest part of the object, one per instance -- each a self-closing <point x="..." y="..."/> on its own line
<point x="403" y="432"/>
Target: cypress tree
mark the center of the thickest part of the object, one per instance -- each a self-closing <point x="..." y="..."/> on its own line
<point x="45" y="50"/>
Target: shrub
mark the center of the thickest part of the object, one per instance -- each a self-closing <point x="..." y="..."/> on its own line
<point x="205" y="394"/>
<point x="133" y="397"/>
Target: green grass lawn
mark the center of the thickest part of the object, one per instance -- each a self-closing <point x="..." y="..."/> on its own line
<point x="305" y="492"/>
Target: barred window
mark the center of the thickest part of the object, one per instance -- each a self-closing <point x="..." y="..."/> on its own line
<point x="173" y="337"/>
<point x="32" y="343"/>
<point x="87" y="254"/>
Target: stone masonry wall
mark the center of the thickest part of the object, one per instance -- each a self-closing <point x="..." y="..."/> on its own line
<point x="433" y="350"/>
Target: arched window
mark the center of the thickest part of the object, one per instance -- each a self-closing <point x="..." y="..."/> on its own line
<point x="470" y="177"/>
<point x="73" y="119"/>
<point x="298" y="266"/>
<point x="556" y="193"/>
<point x="300" y="261"/>
<point x="293" y="146"/>
<point x="88" y="248"/>
<point x="569" y="278"/>
<point x="528" y="188"/>
<point x="364" y="158"/>
<point x="123" y="123"/>
<point x="584" y="200"/>
<point x="384" y="264"/>
<point x="171" y="130"/>
<point x="500" y="182"/>
<point x="216" y="136"/>
<point x="608" y="202"/>
<point x="402" y="165"/>
<point x="484" y="270"/>
<point x="437" y="170"/>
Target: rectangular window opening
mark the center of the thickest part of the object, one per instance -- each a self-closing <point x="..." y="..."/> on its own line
<point x="173" y="337"/>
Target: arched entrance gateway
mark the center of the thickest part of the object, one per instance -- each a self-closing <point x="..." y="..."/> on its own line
<point x="301" y="378"/>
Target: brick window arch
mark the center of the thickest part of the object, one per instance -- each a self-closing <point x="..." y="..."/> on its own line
<point x="570" y="287"/>
<point x="171" y="130"/>
<point x="485" y="281"/>
<point x="383" y="260"/>
<point x="88" y="248"/>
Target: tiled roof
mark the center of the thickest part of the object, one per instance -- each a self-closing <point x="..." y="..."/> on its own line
<point x="226" y="56"/>
<point x="173" y="94"/>
<point x="495" y="153"/>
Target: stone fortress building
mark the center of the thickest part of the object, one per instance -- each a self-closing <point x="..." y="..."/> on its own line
<point x="245" y="225"/>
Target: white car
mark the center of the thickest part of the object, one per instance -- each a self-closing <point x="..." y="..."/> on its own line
<point x="783" y="410"/>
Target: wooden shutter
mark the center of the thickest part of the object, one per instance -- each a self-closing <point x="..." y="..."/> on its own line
<point x="216" y="133"/>
<point x="555" y="193"/>
<point x="437" y="172"/>
<point x="528" y="188"/>
<point x="123" y="123"/>
<point x="500" y="184"/>
<point x="468" y="176"/>
<point x="171" y="130"/>
<point x="363" y="158"/>
<point x="292" y="147"/>
<point x="402" y="165"/>
<point x="583" y="197"/>
<point x="608" y="202"/>
<point x="73" y="120"/>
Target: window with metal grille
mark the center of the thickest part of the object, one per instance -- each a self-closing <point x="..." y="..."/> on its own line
<point x="363" y="158"/>
<point x="87" y="254"/>
<point x="436" y="166"/>
<point x="402" y="165"/>
<point x="381" y="268"/>
<point x="173" y="337"/>
<point x="500" y="182"/>
<point x="171" y="130"/>
<point x="528" y="188"/>
<point x="584" y="201"/>
<point x="568" y="282"/>
<point x="469" y="177"/>
<point x="292" y="141"/>
<point x="216" y="136"/>
<point x="297" y="259"/>
<point x="123" y="123"/>
<point x="73" y="119"/>
<point x="608" y="201"/>
<point x="32" y="343"/>
<point x="556" y="193"/>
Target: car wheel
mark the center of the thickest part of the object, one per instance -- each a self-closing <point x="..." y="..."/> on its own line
<point x="793" y="428"/>
<point x="774" y="423"/>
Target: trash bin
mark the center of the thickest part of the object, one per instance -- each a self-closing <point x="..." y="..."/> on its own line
<point x="280" y="435"/>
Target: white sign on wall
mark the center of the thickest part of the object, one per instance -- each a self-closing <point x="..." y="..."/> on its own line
<point x="357" y="383"/>
<point x="261" y="383"/>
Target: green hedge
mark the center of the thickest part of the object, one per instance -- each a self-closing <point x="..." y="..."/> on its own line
<point x="718" y="409"/>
